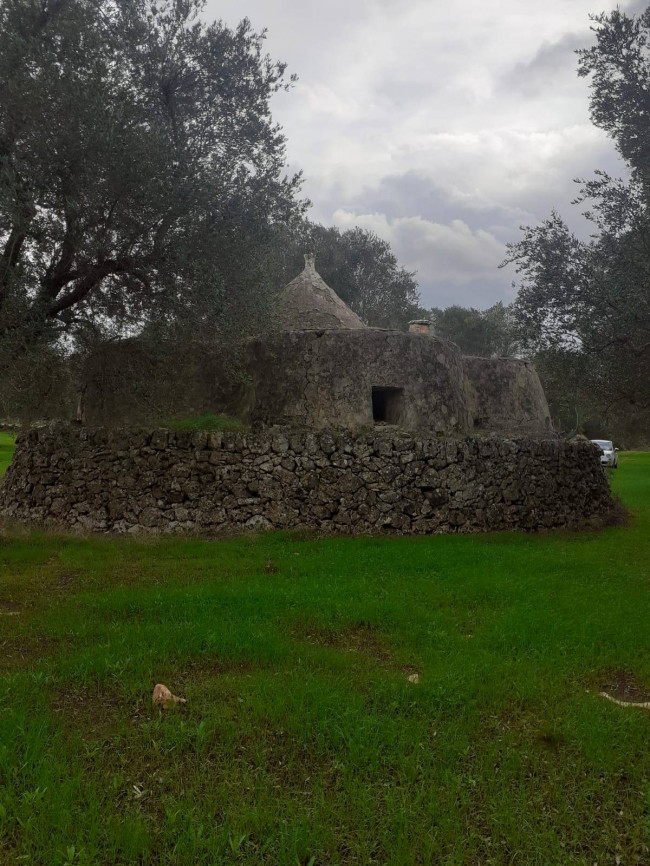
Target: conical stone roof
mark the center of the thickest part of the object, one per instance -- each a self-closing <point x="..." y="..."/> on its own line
<point x="309" y="303"/>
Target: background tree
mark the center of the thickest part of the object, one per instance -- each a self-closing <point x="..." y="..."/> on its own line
<point x="485" y="333"/>
<point x="138" y="162"/>
<point x="592" y="298"/>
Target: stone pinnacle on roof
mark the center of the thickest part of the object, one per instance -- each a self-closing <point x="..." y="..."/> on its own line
<point x="308" y="303"/>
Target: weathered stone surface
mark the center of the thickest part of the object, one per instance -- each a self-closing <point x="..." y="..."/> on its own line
<point x="325" y="379"/>
<point x="505" y="396"/>
<point x="89" y="480"/>
<point x="308" y="302"/>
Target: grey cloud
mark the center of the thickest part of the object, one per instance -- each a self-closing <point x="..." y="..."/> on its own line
<point x="480" y="294"/>
<point x="635" y="7"/>
<point x="415" y="193"/>
<point x="402" y="92"/>
<point x="552" y="61"/>
<point x="456" y="240"/>
<point x="454" y="263"/>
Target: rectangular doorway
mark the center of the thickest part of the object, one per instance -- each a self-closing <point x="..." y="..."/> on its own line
<point x="387" y="405"/>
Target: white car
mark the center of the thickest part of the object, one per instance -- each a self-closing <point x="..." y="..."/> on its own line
<point x="609" y="457"/>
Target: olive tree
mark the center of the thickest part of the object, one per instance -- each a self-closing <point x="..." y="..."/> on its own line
<point x="141" y="173"/>
<point x="585" y="304"/>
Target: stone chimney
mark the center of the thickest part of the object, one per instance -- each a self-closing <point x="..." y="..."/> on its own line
<point x="420" y="326"/>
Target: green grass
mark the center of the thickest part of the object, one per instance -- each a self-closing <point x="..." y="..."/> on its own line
<point x="303" y="742"/>
<point x="6" y="450"/>
<point x="204" y="422"/>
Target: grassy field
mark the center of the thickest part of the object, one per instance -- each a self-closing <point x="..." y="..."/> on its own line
<point x="303" y="740"/>
<point x="6" y="450"/>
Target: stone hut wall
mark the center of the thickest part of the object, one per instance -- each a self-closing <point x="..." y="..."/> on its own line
<point x="505" y="396"/>
<point x="157" y="480"/>
<point x="325" y="379"/>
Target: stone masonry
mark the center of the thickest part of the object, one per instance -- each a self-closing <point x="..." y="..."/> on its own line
<point x="321" y="380"/>
<point x="158" y="480"/>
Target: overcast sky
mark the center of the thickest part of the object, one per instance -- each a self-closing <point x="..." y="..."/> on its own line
<point x="441" y="126"/>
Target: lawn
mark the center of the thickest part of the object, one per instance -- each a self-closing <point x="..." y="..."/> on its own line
<point x="6" y="450"/>
<point x="303" y="740"/>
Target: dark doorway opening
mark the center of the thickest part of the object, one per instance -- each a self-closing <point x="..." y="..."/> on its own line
<point x="387" y="405"/>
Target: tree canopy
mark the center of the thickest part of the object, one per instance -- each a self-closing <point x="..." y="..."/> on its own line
<point x="484" y="333"/>
<point x="590" y="299"/>
<point x="138" y="161"/>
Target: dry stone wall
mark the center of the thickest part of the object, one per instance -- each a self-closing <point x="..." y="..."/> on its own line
<point x="158" y="480"/>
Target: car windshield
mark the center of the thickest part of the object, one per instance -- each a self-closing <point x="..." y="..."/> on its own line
<point x="603" y="443"/>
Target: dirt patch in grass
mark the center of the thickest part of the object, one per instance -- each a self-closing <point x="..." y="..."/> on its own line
<point x="20" y="653"/>
<point x="9" y="607"/>
<point x="97" y="710"/>
<point x="102" y="709"/>
<point x="66" y="580"/>
<point x="199" y="679"/>
<point x="289" y="761"/>
<point x="525" y="725"/>
<point x="356" y="637"/>
<point x="624" y="686"/>
<point x="203" y="668"/>
<point x="551" y="740"/>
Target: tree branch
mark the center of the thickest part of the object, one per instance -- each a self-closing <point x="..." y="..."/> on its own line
<point x="59" y="275"/>
<point x="93" y="278"/>
<point x="11" y="254"/>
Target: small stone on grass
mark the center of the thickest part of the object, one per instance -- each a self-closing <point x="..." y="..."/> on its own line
<point x="163" y="698"/>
